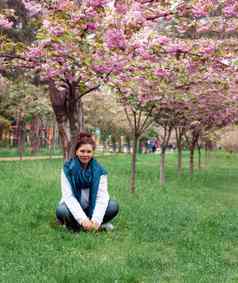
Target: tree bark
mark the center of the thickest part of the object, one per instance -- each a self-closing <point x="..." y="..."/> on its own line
<point x="199" y="158"/>
<point x="179" y="137"/>
<point x="133" y="163"/>
<point x="191" y="160"/>
<point x="20" y="128"/>
<point x="162" y="165"/>
<point x="180" y="163"/>
<point x="119" y="145"/>
<point x="35" y="132"/>
<point x="69" y="116"/>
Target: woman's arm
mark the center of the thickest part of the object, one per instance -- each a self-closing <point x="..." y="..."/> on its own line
<point x="101" y="201"/>
<point x="71" y="202"/>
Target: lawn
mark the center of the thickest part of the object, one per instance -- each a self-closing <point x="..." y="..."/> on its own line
<point x="13" y="152"/>
<point x="185" y="232"/>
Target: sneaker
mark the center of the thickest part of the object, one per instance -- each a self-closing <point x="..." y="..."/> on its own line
<point x="58" y="221"/>
<point x="107" y="226"/>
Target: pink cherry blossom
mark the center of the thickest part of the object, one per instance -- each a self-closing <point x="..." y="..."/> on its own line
<point x="231" y="10"/>
<point x="163" y="40"/>
<point x="115" y="39"/>
<point x="96" y="3"/>
<point x="56" y="30"/>
<point x="91" y="26"/>
<point x="162" y="73"/>
<point x="176" y="48"/>
<point x="121" y="8"/>
<point x="5" y="23"/>
<point x="32" y="7"/>
<point x="34" y="52"/>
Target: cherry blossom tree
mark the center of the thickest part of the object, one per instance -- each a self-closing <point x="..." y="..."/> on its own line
<point x="147" y="48"/>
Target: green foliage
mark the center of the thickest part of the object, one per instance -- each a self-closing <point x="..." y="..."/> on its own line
<point x="4" y="123"/>
<point x="186" y="232"/>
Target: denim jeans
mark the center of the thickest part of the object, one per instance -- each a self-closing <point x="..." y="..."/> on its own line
<point x="64" y="216"/>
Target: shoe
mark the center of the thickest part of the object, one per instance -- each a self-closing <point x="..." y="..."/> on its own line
<point x="59" y="222"/>
<point x="107" y="226"/>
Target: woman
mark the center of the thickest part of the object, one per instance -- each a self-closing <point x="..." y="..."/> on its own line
<point x="85" y="202"/>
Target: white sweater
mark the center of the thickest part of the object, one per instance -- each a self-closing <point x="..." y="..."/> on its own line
<point x="74" y="206"/>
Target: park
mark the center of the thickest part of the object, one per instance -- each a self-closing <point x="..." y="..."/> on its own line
<point x="142" y="93"/>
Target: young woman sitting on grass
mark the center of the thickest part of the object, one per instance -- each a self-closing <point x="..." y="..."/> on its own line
<point x="85" y="202"/>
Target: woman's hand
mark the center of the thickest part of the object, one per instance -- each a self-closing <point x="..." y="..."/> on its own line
<point x="90" y="225"/>
<point x="87" y="225"/>
<point x="96" y="226"/>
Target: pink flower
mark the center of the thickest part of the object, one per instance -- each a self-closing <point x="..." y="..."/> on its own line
<point x="5" y="23"/>
<point x="102" y="68"/>
<point x="231" y="27"/>
<point x="61" y="5"/>
<point x="96" y="3"/>
<point x="163" y="40"/>
<point x="56" y="30"/>
<point x="32" y="7"/>
<point x="161" y="73"/>
<point x="207" y="50"/>
<point x="203" y="28"/>
<point x="91" y="26"/>
<point x="121" y="8"/>
<point x="198" y="11"/>
<point x="115" y="39"/>
<point x="231" y="10"/>
<point x="175" y="48"/>
<point x="34" y="52"/>
<point x="46" y="24"/>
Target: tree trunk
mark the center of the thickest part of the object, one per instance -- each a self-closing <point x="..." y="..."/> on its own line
<point x="119" y="145"/>
<point x="76" y="120"/>
<point x="199" y="158"/>
<point x="35" y="132"/>
<point x="69" y="116"/>
<point x="128" y="142"/>
<point x="179" y="165"/>
<point x="1" y="132"/>
<point x="179" y="137"/>
<point x="162" y="165"/>
<point x="191" y="160"/>
<point x="20" y="128"/>
<point x="133" y="163"/>
<point x="206" y="155"/>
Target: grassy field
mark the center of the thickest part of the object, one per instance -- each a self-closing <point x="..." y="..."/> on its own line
<point x="13" y="152"/>
<point x="185" y="232"/>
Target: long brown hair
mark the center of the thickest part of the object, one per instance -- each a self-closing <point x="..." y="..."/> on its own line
<point x="84" y="138"/>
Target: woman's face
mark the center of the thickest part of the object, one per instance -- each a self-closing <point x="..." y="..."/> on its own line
<point x="85" y="153"/>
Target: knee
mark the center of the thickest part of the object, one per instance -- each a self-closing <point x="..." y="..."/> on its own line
<point x="113" y="207"/>
<point x="62" y="211"/>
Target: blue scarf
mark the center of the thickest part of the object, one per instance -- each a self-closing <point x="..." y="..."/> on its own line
<point x="82" y="178"/>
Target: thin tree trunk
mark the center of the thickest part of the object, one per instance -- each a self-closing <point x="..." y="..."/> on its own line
<point x="179" y="135"/>
<point x="119" y="145"/>
<point x="35" y="132"/>
<point x="180" y="164"/>
<point x="20" y="136"/>
<point x="199" y="158"/>
<point x="133" y="163"/>
<point x="162" y="165"/>
<point x="206" y="155"/>
<point x="191" y="160"/>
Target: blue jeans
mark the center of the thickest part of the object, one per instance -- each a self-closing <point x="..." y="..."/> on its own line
<point x="64" y="216"/>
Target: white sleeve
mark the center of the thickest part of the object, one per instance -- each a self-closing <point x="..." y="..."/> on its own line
<point x="71" y="202"/>
<point x="101" y="200"/>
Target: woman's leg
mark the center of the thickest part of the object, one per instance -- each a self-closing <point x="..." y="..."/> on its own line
<point x="64" y="216"/>
<point x="111" y="211"/>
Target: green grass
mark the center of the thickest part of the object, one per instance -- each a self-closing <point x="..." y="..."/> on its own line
<point x="185" y="232"/>
<point x="13" y="152"/>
